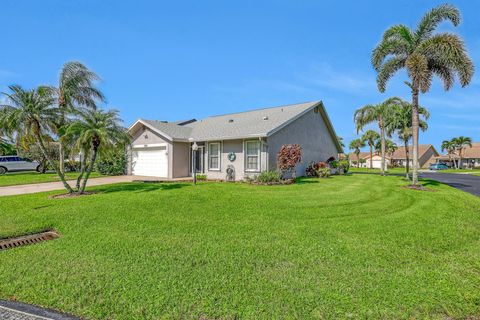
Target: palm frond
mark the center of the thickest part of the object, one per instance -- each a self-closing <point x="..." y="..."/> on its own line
<point x="433" y="18"/>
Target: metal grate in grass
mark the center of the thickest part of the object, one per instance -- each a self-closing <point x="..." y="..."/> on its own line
<point x="25" y="240"/>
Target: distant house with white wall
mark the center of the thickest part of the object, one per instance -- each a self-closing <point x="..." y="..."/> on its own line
<point x="470" y="157"/>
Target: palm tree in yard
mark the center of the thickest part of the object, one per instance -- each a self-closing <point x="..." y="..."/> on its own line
<point x="450" y="147"/>
<point x="371" y="137"/>
<point x="30" y="113"/>
<point x="96" y="131"/>
<point x="380" y="114"/>
<point x="76" y="88"/>
<point x="423" y="54"/>
<point x="461" y="143"/>
<point x="390" y="147"/>
<point x="356" y="145"/>
<point x="401" y="123"/>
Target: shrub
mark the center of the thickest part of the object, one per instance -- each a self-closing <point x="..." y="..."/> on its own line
<point x="269" y="176"/>
<point x="113" y="165"/>
<point x="201" y="177"/>
<point x="317" y="169"/>
<point x="333" y="164"/>
<point x="345" y="165"/>
<point x="323" y="172"/>
<point x="288" y="157"/>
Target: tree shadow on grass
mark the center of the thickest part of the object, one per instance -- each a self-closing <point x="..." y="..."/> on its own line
<point x="140" y="187"/>
<point x="429" y="182"/>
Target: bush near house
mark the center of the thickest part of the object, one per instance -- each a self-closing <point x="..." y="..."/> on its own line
<point x="288" y="157"/>
<point x="113" y="165"/>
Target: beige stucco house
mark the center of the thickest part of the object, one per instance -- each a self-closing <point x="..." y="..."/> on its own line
<point x="470" y="157"/>
<point x="231" y="146"/>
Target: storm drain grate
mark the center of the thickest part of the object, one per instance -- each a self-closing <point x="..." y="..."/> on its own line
<point x="10" y="243"/>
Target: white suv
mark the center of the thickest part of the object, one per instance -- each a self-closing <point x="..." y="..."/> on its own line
<point x="15" y="163"/>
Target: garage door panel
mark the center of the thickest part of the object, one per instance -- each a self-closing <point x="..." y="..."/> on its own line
<point x="150" y="162"/>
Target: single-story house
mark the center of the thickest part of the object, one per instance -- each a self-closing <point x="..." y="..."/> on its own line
<point x="426" y="155"/>
<point x="231" y="146"/>
<point x="376" y="160"/>
<point x="470" y="157"/>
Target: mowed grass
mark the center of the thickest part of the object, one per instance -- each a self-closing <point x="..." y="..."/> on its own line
<point x="390" y="170"/>
<point x="357" y="246"/>
<point x="18" y="178"/>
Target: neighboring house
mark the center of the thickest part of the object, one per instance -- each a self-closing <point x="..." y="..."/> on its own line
<point x="244" y="143"/>
<point x="426" y="155"/>
<point x="470" y="157"/>
<point x="376" y="160"/>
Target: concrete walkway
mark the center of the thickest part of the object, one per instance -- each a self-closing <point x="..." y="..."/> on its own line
<point x="51" y="186"/>
<point x="11" y="310"/>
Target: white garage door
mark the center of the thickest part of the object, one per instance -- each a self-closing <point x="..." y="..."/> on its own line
<point x="151" y="162"/>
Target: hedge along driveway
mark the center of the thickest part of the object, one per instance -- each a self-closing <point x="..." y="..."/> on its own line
<point x="357" y="246"/>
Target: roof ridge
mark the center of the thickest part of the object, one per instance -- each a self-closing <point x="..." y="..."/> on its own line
<point x="265" y="108"/>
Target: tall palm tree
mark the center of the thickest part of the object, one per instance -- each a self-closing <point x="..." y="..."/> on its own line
<point x="371" y="137"/>
<point x="356" y="145"/>
<point x="461" y="143"/>
<point x="99" y="131"/>
<point x="30" y="113"/>
<point x="380" y="114"/>
<point x="401" y="122"/>
<point x="450" y="147"/>
<point x="76" y="88"/>
<point x="423" y="54"/>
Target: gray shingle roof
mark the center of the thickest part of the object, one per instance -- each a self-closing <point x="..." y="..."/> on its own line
<point x="254" y="123"/>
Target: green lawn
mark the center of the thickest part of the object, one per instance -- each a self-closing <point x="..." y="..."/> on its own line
<point x="15" y="178"/>
<point x="357" y="246"/>
<point x="390" y="170"/>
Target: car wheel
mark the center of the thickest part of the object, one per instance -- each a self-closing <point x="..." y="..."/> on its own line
<point x="3" y="170"/>
<point x="40" y="168"/>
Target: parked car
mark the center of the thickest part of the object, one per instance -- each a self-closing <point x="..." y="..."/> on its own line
<point x="15" y="163"/>
<point x="438" y="166"/>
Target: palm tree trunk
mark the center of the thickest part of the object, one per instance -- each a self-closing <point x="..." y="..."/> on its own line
<point x="371" y="156"/>
<point x="407" y="157"/>
<point x="61" y="158"/>
<point x="82" y="170"/>
<point x="57" y="170"/>
<point x="89" y="170"/>
<point x="382" y="142"/>
<point x="415" y="126"/>
<point x="460" y="165"/>
<point x="358" y="160"/>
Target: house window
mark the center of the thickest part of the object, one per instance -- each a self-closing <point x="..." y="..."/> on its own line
<point x="252" y="158"/>
<point x="214" y="156"/>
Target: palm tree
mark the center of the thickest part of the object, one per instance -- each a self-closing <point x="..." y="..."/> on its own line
<point x="371" y="137"/>
<point x="96" y="131"/>
<point x="76" y="88"/>
<point x="461" y="143"/>
<point x="340" y="140"/>
<point x="423" y="54"/>
<point x="356" y="145"/>
<point x="401" y="122"/>
<point x="379" y="113"/>
<point x="390" y="147"/>
<point x="31" y="114"/>
<point x="450" y="147"/>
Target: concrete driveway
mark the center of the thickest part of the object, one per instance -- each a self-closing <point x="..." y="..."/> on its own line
<point x="465" y="182"/>
<point x="51" y="186"/>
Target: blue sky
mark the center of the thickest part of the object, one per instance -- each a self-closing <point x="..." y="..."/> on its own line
<point x="182" y="59"/>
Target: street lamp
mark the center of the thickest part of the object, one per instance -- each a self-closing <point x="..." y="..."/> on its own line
<point x="194" y="149"/>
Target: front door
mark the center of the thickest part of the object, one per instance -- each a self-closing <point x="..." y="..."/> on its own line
<point x="198" y="160"/>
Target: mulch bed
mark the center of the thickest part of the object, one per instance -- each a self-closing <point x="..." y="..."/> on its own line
<point x="418" y="188"/>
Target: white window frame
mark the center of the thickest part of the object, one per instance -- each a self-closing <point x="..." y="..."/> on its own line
<point x="259" y="163"/>
<point x="219" y="156"/>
